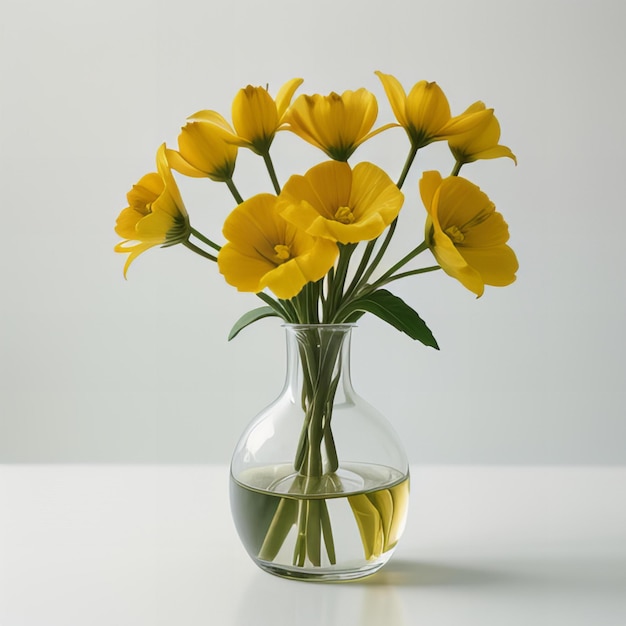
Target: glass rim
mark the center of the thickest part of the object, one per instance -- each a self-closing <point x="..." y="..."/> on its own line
<point x="305" y="326"/>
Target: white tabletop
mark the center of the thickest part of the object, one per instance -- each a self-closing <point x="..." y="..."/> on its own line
<point x="155" y="545"/>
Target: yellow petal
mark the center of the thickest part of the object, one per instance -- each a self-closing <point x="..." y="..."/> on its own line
<point x="145" y="191"/>
<point x="396" y="96"/>
<point x="353" y="127"/>
<point x="288" y="279"/>
<point x="242" y="270"/>
<point x="453" y="264"/>
<point x="206" y="148"/>
<point x="330" y="183"/>
<point x="335" y="202"/>
<point x="491" y="231"/>
<point x="429" y="184"/>
<point x="465" y="233"/>
<point x="299" y="121"/>
<point x="370" y="525"/>
<point x="178" y="163"/>
<point x="134" y="251"/>
<point x="364" y="230"/>
<point x="171" y="188"/>
<point x="337" y="124"/>
<point x="157" y="214"/>
<point x="481" y="141"/>
<point x="154" y="227"/>
<point x="400" y="496"/>
<point x="461" y="202"/>
<point x="266" y="251"/>
<point x="255" y="117"/>
<point x="496" y="265"/>
<point x="427" y="108"/>
<point x="495" y="153"/>
<point x="323" y="189"/>
<point x="383" y="502"/>
<point x="127" y="222"/>
<point x="475" y="107"/>
<point x="466" y="122"/>
<point x="374" y="192"/>
<point x="285" y="94"/>
<point x="213" y="118"/>
<point x="253" y="226"/>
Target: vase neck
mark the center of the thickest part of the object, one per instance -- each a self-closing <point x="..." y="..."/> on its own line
<point x="319" y="355"/>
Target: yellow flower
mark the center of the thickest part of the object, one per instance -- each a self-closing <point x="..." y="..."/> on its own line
<point x="264" y="250"/>
<point x="257" y="117"/>
<point x="156" y="214"/>
<point x="466" y="234"/>
<point x="425" y="113"/>
<point x="336" y="124"/>
<point x="204" y="149"/>
<point x="482" y="141"/>
<point x="341" y="204"/>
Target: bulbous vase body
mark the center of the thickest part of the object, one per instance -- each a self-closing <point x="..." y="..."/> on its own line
<point x="319" y="480"/>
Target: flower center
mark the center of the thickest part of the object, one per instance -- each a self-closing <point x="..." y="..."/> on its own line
<point x="455" y="233"/>
<point x="344" y="215"/>
<point x="282" y="253"/>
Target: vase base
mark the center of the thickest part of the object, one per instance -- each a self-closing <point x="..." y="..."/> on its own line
<point x="321" y="574"/>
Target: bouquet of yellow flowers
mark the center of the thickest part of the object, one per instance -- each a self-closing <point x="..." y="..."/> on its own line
<point x="300" y="241"/>
<point x="313" y="249"/>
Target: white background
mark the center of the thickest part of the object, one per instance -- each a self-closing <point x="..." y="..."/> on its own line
<point x="97" y="369"/>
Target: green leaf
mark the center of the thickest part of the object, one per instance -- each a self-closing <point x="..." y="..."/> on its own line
<point x="393" y="310"/>
<point x="250" y="317"/>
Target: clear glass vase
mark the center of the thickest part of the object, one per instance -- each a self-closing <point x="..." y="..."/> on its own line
<point x="319" y="480"/>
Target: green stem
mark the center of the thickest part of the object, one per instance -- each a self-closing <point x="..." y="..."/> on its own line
<point x="233" y="190"/>
<point x="402" y="262"/>
<point x="204" y="239"/>
<point x="421" y="270"/>
<point x="316" y="461"/>
<point x="199" y="251"/>
<point x="337" y="284"/>
<point x="386" y="278"/>
<point x="407" y="166"/>
<point x="311" y="294"/>
<point x="370" y="270"/>
<point x="367" y="253"/>
<point x="363" y="275"/>
<point x="278" y="306"/>
<point x="271" y="171"/>
<point x="293" y="311"/>
<point x="320" y="360"/>
<point x="457" y="168"/>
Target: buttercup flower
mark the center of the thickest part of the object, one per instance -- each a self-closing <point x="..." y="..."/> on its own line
<point x="336" y="124"/>
<point x="482" y="141"/>
<point x="264" y="250"/>
<point x="156" y="214"/>
<point x="466" y="234"/>
<point x="204" y="149"/>
<point x="257" y="117"/>
<point x="342" y="204"/>
<point x="425" y="113"/>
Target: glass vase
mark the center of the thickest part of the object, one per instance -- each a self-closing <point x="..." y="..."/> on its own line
<point x="319" y="480"/>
